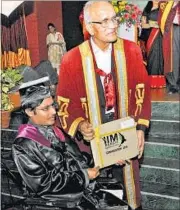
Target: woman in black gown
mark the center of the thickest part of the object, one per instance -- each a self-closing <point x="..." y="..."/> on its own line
<point x="152" y="37"/>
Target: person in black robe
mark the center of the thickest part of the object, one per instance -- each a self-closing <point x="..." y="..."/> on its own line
<point x="49" y="161"/>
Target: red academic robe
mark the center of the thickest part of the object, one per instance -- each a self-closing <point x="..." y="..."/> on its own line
<point x="71" y="92"/>
<point x="72" y="98"/>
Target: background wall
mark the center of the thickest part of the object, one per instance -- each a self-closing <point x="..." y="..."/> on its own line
<point x="65" y="16"/>
<point x="36" y="26"/>
<point x="47" y="12"/>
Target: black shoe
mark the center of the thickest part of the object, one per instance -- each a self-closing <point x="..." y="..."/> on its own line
<point x="172" y="90"/>
<point x="139" y="208"/>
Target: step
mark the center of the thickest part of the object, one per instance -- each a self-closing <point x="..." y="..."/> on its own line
<point x="164" y="128"/>
<point x="166" y="110"/>
<point x="159" y="174"/>
<point x="161" y="150"/>
<point x="165" y="118"/>
<point x="159" y="162"/>
<point x="163" y="140"/>
<point x="160" y="197"/>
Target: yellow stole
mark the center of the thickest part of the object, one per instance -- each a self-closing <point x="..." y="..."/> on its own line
<point x="166" y="11"/>
<point x="91" y="86"/>
<point x="93" y="101"/>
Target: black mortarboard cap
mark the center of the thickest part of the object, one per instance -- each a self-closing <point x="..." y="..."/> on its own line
<point x="34" y="90"/>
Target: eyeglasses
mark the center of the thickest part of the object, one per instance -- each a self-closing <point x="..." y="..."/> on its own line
<point x="105" y="23"/>
<point x="47" y="108"/>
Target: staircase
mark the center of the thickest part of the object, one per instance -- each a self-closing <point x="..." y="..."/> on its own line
<point x="160" y="167"/>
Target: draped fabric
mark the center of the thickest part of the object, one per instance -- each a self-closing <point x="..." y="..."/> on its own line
<point x="14" y="45"/>
<point x="152" y="38"/>
<point x="170" y="29"/>
<point x="5" y="39"/>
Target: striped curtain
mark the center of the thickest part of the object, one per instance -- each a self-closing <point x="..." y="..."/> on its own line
<point x="14" y="45"/>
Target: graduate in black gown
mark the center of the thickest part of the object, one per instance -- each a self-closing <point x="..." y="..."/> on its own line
<point x="49" y="161"/>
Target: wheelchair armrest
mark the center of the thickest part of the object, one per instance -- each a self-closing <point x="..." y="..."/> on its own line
<point x="111" y="184"/>
<point x="108" y="180"/>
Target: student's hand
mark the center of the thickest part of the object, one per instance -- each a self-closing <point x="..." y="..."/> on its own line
<point x="93" y="172"/>
<point x="140" y="136"/>
<point x="86" y="130"/>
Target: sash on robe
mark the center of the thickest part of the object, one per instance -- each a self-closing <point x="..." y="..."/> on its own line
<point x="31" y="132"/>
<point x="121" y="95"/>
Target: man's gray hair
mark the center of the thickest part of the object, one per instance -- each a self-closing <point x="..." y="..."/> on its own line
<point x="86" y="11"/>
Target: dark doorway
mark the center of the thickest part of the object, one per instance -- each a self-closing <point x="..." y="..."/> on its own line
<point x="72" y="29"/>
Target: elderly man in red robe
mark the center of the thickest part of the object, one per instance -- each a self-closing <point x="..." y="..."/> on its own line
<point x="104" y="79"/>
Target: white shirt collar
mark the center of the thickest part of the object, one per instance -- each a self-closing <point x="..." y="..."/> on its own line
<point x="96" y="49"/>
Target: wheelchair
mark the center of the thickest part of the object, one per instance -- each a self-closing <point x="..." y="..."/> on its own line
<point x="15" y="195"/>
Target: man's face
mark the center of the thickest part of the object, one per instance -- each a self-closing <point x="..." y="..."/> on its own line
<point x="44" y="114"/>
<point x="103" y="11"/>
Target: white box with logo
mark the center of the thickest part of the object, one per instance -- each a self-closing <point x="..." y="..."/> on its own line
<point x="116" y="140"/>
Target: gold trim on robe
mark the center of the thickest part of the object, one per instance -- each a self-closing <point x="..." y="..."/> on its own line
<point x="143" y="122"/>
<point x="165" y="14"/>
<point x="130" y="185"/>
<point x="63" y="112"/>
<point x="84" y="106"/>
<point x="93" y="100"/>
<point x="74" y="125"/>
<point x="90" y="83"/>
<point x="121" y="77"/>
<point x="139" y="95"/>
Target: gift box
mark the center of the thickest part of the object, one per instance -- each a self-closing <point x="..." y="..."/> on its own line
<point x="116" y="140"/>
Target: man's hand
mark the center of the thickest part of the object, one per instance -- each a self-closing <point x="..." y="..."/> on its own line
<point x="86" y="130"/>
<point x="123" y="162"/>
<point x="93" y="172"/>
<point x="140" y="136"/>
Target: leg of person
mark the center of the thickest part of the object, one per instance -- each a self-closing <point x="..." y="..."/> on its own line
<point x="132" y="184"/>
<point x="176" y="54"/>
<point x="173" y="77"/>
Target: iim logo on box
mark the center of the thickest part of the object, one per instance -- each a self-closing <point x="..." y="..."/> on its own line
<point x="116" y="139"/>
